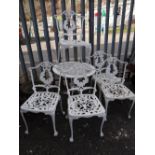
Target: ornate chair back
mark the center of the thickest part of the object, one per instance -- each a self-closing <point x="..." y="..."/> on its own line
<point x="80" y="85"/>
<point x="98" y="59"/>
<point x="70" y="25"/>
<point x="46" y="80"/>
<point x="114" y="68"/>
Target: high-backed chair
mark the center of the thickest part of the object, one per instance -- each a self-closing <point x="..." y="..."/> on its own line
<point x="70" y="31"/>
<point x="46" y="94"/>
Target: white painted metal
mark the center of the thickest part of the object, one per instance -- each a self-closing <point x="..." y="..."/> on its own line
<point x="99" y="58"/>
<point x="70" y="29"/>
<point x="82" y="103"/>
<point x="108" y="80"/>
<point x="43" y="101"/>
<point x="73" y="69"/>
<point x="107" y="69"/>
<point x="117" y="91"/>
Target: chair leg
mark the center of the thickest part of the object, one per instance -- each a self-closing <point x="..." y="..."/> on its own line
<point x="26" y="126"/>
<point x="71" y="139"/>
<point x="106" y="107"/>
<point x="129" y="113"/>
<point x="100" y="94"/>
<point x="53" y="121"/>
<point x="101" y="127"/>
<point x="61" y="107"/>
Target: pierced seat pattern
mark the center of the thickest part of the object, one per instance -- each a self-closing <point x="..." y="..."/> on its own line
<point x="84" y="105"/>
<point x="41" y="102"/>
<point x="117" y="91"/>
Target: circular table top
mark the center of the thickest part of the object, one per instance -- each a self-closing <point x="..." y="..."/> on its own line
<point x="74" y="69"/>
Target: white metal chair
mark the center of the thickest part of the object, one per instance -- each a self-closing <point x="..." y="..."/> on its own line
<point x="46" y="95"/>
<point x="83" y="103"/>
<point x="111" y="81"/>
<point x="70" y="28"/>
<point x="117" y="92"/>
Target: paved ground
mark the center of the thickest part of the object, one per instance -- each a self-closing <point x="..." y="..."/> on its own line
<point x="119" y="133"/>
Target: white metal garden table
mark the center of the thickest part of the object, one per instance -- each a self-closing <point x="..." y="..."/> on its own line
<point x="74" y="69"/>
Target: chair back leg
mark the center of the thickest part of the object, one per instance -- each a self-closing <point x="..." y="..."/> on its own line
<point x="106" y="106"/>
<point x="71" y="139"/>
<point x="101" y="127"/>
<point x="61" y="107"/>
<point x="129" y="113"/>
<point x="24" y="120"/>
<point x="53" y="121"/>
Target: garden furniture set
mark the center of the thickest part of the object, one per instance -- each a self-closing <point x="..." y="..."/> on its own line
<point x="81" y="79"/>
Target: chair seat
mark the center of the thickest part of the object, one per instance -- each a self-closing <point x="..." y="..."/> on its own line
<point x="41" y="102"/>
<point x="74" y="43"/>
<point x="85" y="105"/>
<point x="117" y="91"/>
<point x="102" y="79"/>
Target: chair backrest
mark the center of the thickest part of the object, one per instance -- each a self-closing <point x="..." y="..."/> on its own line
<point x="69" y="25"/>
<point x="114" y="68"/>
<point x="46" y="80"/>
<point x="99" y="59"/>
<point x="72" y="56"/>
<point x="80" y="85"/>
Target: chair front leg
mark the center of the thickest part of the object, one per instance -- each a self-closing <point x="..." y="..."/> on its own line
<point x="106" y="106"/>
<point x="71" y="139"/>
<point x="101" y="127"/>
<point x="100" y="95"/>
<point x="26" y="126"/>
<point x="61" y="107"/>
<point x="129" y="113"/>
<point x="53" y="121"/>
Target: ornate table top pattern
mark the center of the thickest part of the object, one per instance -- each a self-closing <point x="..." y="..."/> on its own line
<point x="74" y="69"/>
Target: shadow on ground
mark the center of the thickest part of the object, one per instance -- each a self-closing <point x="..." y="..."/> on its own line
<point x="119" y="133"/>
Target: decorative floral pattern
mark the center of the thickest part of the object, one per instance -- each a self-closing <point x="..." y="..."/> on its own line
<point x="81" y="82"/>
<point x="84" y="105"/>
<point x="68" y="26"/>
<point x="46" y="76"/>
<point x="108" y="70"/>
<point x="74" y="69"/>
<point x="111" y="68"/>
<point x="41" y="101"/>
<point x="117" y="91"/>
